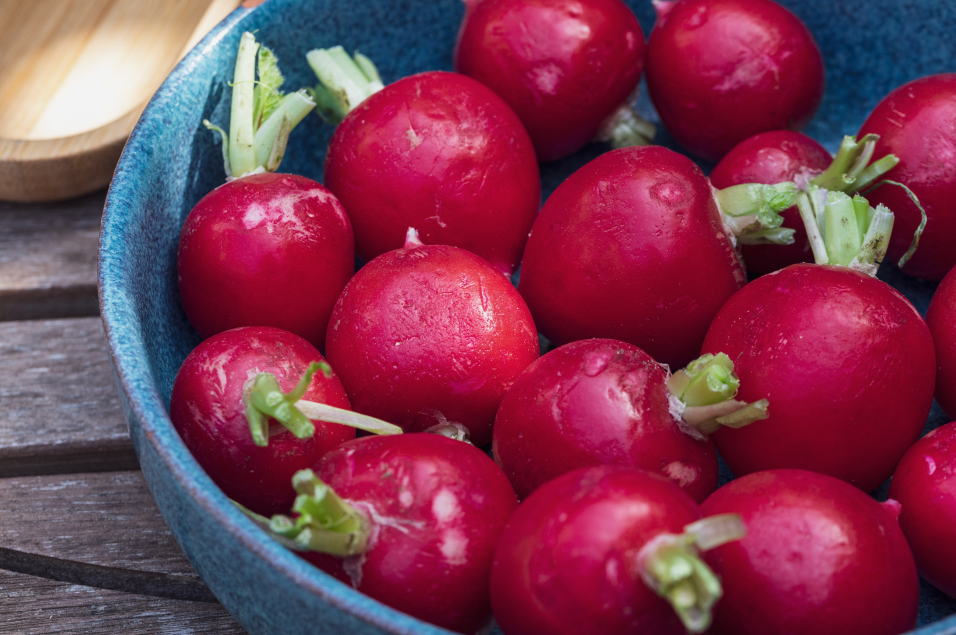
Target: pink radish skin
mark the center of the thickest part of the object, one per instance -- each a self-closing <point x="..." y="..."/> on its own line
<point x="265" y="250"/>
<point x="774" y="157"/>
<point x="441" y="153"/>
<point x="439" y="506"/>
<point x="430" y="331"/>
<point x="720" y="71"/>
<point x="563" y="66"/>
<point x="819" y="557"/>
<point x="846" y="362"/>
<point x="917" y="123"/>
<point x="207" y="411"/>
<point x="941" y="318"/>
<point x="631" y="247"/>
<point x="924" y="485"/>
<point x="566" y="562"/>
<point x="597" y="402"/>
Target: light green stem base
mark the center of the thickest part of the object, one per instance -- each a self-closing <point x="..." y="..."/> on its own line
<point x="345" y="81"/>
<point x="706" y="391"/>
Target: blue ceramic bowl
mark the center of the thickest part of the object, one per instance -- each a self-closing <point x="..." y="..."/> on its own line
<point x="171" y="161"/>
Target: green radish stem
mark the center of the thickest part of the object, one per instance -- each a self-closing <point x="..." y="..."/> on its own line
<point x="626" y="128"/>
<point x="344" y="82"/>
<point x="264" y="400"/>
<point x="671" y="566"/>
<point x="324" y="522"/>
<point x="752" y="211"/>
<point x="262" y="117"/>
<point x="922" y="224"/>
<point x="704" y="394"/>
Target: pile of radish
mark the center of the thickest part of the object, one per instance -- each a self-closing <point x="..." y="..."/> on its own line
<point x="630" y="352"/>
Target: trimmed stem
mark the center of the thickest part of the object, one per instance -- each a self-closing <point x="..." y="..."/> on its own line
<point x="671" y="566"/>
<point x="706" y="390"/>
<point x="753" y="209"/>
<point x="324" y="521"/>
<point x="626" y="128"/>
<point x="808" y="215"/>
<point x="273" y="134"/>
<point x="345" y="82"/>
<point x="922" y="225"/>
<point x="851" y="170"/>
<point x="263" y="399"/>
<point x="242" y="156"/>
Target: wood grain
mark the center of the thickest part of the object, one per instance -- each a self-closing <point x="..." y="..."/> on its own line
<point x="100" y="529"/>
<point x="60" y="409"/>
<point x="36" y="606"/>
<point x="75" y="76"/>
<point x="48" y="258"/>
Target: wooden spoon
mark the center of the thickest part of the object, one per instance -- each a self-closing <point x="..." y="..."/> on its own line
<point x="75" y="76"/>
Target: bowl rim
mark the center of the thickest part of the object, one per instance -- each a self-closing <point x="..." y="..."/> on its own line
<point x="146" y="408"/>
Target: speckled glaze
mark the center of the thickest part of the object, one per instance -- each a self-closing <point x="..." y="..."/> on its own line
<point x="563" y="65"/>
<point x="171" y="161"/>
<point x="819" y="557"/>
<point x="774" y="157"/>
<point x="208" y="411"/>
<point x="597" y="402"/>
<point x="441" y="153"/>
<point x="428" y="333"/>
<point x="846" y="363"/>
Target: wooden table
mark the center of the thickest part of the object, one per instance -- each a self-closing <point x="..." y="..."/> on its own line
<point x="83" y="548"/>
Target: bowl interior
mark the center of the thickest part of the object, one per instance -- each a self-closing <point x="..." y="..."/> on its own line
<point x="172" y="160"/>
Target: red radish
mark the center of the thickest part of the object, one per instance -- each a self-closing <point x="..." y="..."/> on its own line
<point x="564" y="66"/>
<point x="409" y="520"/>
<point x="941" y="318"/>
<point x="602" y="551"/>
<point x="819" y="557"/>
<point x="633" y="247"/>
<point x="720" y="71"/>
<point x="605" y="402"/>
<point x="436" y="151"/>
<point x="924" y="485"/>
<point x="774" y="157"/>
<point x="265" y="250"/>
<point x="427" y="333"/>
<point x="917" y="123"/>
<point x="208" y="409"/>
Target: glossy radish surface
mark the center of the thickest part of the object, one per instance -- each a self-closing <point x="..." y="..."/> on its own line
<point x="941" y="318"/>
<point x="924" y="485"/>
<point x="917" y="123"/>
<point x="436" y="507"/>
<point x="631" y="247"/>
<point x="574" y="557"/>
<point x="265" y="250"/>
<point x="720" y="71"/>
<point x="427" y="333"/>
<point x="774" y="157"/>
<point x="207" y="410"/>
<point x="442" y="153"/>
<point x="597" y="402"/>
<point x="819" y="557"/>
<point x="846" y="362"/>
<point x="564" y="66"/>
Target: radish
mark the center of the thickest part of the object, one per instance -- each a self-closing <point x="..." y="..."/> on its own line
<point x="566" y="68"/>
<point x="941" y="318"/>
<point x="847" y="362"/>
<point x="917" y="123"/>
<point x="436" y="151"/>
<point x="411" y="521"/>
<point x="633" y="247"/>
<point x="720" y="71"/>
<point x="264" y="249"/>
<point x="604" y="402"/>
<point x="607" y="550"/>
<point x="819" y="557"/>
<point x="923" y="484"/>
<point x="242" y="402"/>
<point x="429" y="333"/>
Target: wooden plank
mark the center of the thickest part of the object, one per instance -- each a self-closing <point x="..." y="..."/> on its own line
<point x="101" y="530"/>
<point x="48" y="258"/>
<point x="60" y="409"/>
<point x="35" y="606"/>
